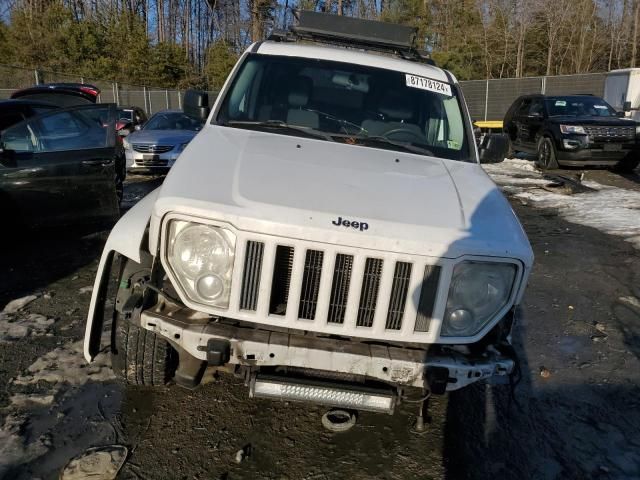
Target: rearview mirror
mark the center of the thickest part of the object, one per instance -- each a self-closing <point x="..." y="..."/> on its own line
<point x="626" y="107"/>
<point x="494" y="148"/>
<point x="196" y="104"/>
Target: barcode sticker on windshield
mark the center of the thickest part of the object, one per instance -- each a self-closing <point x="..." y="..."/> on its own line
<point x="428" y="84"/>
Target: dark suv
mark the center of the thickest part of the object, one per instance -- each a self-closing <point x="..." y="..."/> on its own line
<point x="574" y="130"/>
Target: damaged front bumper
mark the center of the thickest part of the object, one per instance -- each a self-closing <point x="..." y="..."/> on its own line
<point x="218" y="343"/>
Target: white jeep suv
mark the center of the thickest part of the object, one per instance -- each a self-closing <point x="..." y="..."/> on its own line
<point x="329" y="234"/>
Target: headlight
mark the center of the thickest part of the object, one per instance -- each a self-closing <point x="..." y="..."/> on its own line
<point x="638" y="130"/>
<point x="478" y="291"/>
<point x="572" y="129"/>
<point x="126" y="145"/>
<point x="182" y="146"/>
<point x="201" y="257"/>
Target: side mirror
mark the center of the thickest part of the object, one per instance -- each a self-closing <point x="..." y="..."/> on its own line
<point x="196" y="104"/>
<point x="123" y="132"/>
<point x="626" y="107"/>
<point x="494" y="148"/>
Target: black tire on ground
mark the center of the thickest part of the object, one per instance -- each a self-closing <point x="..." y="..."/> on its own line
<point x="628" y="164"/>
<point x="546" y="158"/>
<point x="138" y="356"/>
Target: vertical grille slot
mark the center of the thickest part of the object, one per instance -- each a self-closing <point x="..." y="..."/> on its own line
<point x="427" y="298"/>
<point x="283" y="266"/>
<point x="369" y="292"/>
<point x="399" y="289"/>
<point x="340" y="288"/>
<point x="310" y="284"/>
<point x="251" y="276"/>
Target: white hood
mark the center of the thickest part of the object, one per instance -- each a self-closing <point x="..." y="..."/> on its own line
<point x="297" y="187"/>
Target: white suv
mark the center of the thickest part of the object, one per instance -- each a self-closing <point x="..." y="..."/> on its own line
<point x="329" y="235"/>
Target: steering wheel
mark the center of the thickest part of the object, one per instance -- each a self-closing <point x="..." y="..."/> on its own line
<point x="340" y="121"/>
<point x="402" y="130"/>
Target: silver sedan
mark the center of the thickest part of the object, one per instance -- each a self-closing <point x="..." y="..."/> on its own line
<point x="157" y="145"/>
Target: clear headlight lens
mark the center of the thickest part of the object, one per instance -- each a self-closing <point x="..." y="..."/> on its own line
<point x="478" y="291"/>
<point x="126" y="145"/>
<point x="201" y="256"/>
<point x="572" y="129"/>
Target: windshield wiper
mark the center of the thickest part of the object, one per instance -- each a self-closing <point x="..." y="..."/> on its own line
<point x="409" y="147"/>
<point x="280" y="125"/>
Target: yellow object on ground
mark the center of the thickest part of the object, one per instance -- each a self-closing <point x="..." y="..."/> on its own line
<point x="490" y="124"/>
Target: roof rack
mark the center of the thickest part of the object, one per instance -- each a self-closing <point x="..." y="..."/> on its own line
<point x="355" y="33"/>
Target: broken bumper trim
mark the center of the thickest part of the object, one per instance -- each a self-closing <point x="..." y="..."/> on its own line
<point x="262" y="348"/>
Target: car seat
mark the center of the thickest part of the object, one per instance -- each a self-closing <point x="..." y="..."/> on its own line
<point x="298" y="99"/>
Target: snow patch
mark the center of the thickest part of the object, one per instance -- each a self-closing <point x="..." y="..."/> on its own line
<point x="612" y="210"/>
<point x="88" y="289"/>
<point x="14" y="447"/>
<point x="66" y="364"/>
<point x="633" y="301"/>
<point x="101" y="463"/>
<point x="17" y="328"/>
<point x="24" y="401"/>
<point x="66" y="373"/>
<point x="19" y="303"/>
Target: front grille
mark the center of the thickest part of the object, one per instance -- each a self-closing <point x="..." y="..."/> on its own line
<point x="152" y="163"/>
<point x="401" y="277"/>
<point x="427" y="297"/>
<point x="310" y="284"/>
<point x="340" y="288"/>
<point x="604" y="133"/>
<point x="143" y="148"/>
<point x="281" y="280"/>
<point x="348" y="293"/>
<point x="369" y="292"/>
<point x="251" y="276"/>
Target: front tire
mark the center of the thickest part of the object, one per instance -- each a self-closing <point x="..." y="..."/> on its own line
<point x="546" y="159"/>
<point x="628" y="164"/>
<point x="138" y="356"/>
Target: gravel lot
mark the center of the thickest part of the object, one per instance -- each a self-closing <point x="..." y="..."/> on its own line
<point x="575" y="414"/>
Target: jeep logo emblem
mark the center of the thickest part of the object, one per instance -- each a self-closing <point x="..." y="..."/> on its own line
<point x="362" y="226"/>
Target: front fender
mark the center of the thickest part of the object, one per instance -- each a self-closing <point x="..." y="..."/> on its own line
<point x="126" y="239"/>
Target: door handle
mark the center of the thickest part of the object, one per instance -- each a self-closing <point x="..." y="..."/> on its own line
<point x="101" y="163"/>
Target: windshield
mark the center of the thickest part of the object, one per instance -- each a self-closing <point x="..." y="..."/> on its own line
<point x="172" y="121"/>
<point x="347" y="103"/>
<point x="583" y="106"/>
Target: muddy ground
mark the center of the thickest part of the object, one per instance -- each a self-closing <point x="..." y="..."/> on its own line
<point x="579" y="324"/>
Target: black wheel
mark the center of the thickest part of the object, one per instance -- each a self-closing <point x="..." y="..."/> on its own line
<point x="546" y="159"/>
<point x="628" y="164"/>
<point x="138" y="356"/>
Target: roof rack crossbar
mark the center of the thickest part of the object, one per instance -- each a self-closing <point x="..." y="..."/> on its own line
<point x="355" y="33"/>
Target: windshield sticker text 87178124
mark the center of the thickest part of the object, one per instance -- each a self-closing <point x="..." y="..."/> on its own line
<point x="427" y="84"/>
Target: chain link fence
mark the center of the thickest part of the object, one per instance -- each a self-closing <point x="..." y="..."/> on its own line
<point x="487" y="99"/>
<point x="490" y="99"/>
<point x="150" y="99"/>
